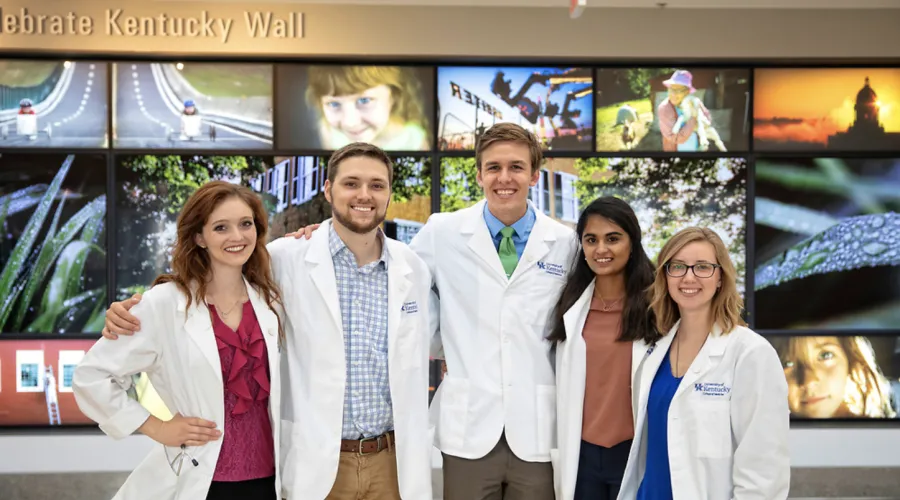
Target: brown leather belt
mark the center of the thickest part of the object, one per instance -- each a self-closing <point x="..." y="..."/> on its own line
<point x="366" y="446"/>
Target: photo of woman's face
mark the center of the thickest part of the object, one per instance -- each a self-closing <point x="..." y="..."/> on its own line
<point x="817" y="369"/>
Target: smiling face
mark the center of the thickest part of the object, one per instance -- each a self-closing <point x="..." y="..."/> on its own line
<point x="362" y="116"/>
<point x="606" y="246"/>
<point x="360" y="194"/>
<point x="677" y="93"/>
<point x="817" y="369"/>
<point x="229" y="234"/>
<point x="506" y="175"/>
<point x="689" y="291"/>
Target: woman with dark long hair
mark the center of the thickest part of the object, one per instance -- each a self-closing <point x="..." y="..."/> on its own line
<point x="603" y="309"/>
<point x="209" y="342"/>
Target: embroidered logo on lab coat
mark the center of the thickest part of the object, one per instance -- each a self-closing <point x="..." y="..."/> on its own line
<point x="410" y="307"/>
<point x="552" y="269"/>
<point x="712" y="389"/>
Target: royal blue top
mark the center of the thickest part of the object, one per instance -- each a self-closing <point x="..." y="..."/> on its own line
<point x="657" y="482"/>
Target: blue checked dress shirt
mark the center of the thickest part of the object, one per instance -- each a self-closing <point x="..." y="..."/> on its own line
<point x="363" y="294"/>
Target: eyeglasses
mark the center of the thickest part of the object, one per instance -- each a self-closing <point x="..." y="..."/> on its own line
<point x="177" y="463"/>
<point x="701" y="270"/>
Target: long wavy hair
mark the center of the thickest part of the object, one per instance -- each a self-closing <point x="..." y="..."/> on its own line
<point x="191" y="266"/>
<point x="727" y="303"/>
<point x="637" y="318"/>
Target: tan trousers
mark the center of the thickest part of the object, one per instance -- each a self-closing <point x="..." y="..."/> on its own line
<point x="499" y="475"/>
<point x="367" y="477"/>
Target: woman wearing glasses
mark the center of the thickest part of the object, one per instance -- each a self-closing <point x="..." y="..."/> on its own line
<point x="710" y="396"/>
<point x="210" y="344"/>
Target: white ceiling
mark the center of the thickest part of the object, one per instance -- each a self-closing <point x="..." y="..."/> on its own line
<point x="695" y="4"/>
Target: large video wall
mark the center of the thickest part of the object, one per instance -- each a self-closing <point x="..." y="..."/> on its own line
<point x="797" y="168"/>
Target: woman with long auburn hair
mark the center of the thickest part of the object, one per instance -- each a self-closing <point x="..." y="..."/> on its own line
<point x="710" y="396"/>
<point x="209" y="342"/>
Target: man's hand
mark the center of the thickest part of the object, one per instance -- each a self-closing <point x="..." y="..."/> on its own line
<point x="119" y="321"/>
<point x="305" y="232"/>
<point x="188" y="431"/>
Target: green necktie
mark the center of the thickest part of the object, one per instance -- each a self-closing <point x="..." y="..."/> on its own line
<point x="508" y="256"/>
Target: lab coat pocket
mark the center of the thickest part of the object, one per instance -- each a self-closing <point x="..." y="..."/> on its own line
<point x="713" y="431"/>
<point x="454" y="412"/>
<point x="545" y="405"/>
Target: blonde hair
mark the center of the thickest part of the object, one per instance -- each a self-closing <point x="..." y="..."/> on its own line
<point x="868" y="391"/>
<point x="726" y="303"/>
<point x="510" y="132"/>
<point x="406" y="89"/>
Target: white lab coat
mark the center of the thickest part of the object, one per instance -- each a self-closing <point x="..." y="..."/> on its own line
<point x="571" y="371"/>
<point x="728" y="421"/>
<point x="314" y="375"/>
<point x="181" y="358"/>
<point x="493" y="333"/>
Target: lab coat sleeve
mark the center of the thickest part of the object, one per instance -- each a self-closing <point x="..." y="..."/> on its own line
<point x="761" y="423"/>
<point x="423" y="245"/>
<point x="102" y="378"/>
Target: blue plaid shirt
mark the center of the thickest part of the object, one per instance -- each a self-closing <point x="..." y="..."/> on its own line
<point x="363" y="294"/>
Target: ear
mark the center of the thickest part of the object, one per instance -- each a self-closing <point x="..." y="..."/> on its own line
<point x="327" y="188"/>
<point x="478" y="177"/>
<point x="535" y="176"/>
<point x="198" y="239"/>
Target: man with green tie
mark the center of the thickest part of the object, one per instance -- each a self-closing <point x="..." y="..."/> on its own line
<point x="498" y="269"/>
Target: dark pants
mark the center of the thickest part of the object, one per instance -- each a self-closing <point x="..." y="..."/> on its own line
<point x="262" y="489"/>
<point x="499" y="475"/>
<point x="600" y="471"/>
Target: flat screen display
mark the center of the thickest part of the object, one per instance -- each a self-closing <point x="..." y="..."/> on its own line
<point x="296" y="187"/>
<point x="327" y="107"/>
<point x="192" y="105"/>
<point x="53" y="250"/>
<point x="53" y="104"/>
<point x="841" y="377"/>
<point x="672" y="109"/>
<point x="150" y="192"/>
<point x="826" y="109"/>
<point x="666" y="194"/>
<point x="556" y="104"/>
<point x="827" y="233"/>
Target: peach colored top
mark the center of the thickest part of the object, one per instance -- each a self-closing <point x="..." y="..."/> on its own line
<point x="607" y="419"/>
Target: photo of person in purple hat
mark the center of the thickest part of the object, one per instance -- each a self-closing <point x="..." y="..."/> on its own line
<point x="672" y="109"/>
<point x="682" y="138"/>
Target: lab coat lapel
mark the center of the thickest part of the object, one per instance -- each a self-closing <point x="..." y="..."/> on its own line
<point x="576" y="316"/>
<point x="200" y="331"/>
<point x="322" y="272"/>
<point x="713" y="348"/>
<point x="645" y="363"/>
<point x="399" y="284"/>
<point x="480" y="241"/>
<point x="538" y="244"/>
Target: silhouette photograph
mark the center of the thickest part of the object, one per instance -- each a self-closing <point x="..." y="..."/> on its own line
<point x="849" y="109"/>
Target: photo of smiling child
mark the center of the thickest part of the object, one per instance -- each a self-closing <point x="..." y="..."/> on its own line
<point x="332" y="106"/>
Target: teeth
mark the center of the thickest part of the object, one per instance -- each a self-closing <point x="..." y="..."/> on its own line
<point x="505" y="192"/>
<point x="603" y="261"/>
<point x="362" y="209"/>
<point x="236" y="249"/>
<point x="690" y="291"/>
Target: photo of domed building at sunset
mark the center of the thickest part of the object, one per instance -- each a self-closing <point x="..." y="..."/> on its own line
<point x="849" y="109"/>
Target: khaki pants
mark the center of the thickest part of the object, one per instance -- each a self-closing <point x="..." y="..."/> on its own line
<point x="367" y="477"/>
<point x="499" y="475"/>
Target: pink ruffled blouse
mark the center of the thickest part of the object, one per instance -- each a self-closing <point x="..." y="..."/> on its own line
<point x="248" y="451"/>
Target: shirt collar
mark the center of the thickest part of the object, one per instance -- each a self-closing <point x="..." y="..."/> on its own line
<point x="336" y="245"/>
<point x="522" y="226"/>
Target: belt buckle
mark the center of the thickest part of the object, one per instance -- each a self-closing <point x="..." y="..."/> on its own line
<point x="363" y="440"/>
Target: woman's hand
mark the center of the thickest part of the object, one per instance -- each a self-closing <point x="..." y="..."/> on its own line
<point x="188" y="431"/>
